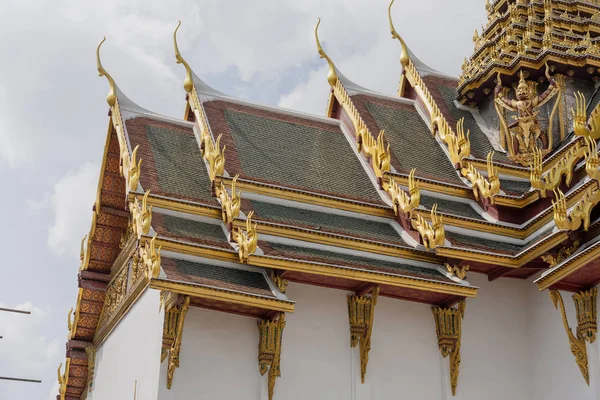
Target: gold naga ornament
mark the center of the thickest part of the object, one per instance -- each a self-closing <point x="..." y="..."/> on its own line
<point x="215" y="156"/>
<point x="247" y="240"/>
<point x="525" y="134"/>
<point x="62" y="380"/>
<point x="564" y="167"/>
<point x="433" y="235"/>
<point x="582" y="126"/>
<point x="141" y="216"/>
<point x="230" y="205"/>
<point x="448" y="327"/>
<point x="150" y="258"/>
<point x="459" y="146"/>
<point x="459" y="271"/>
<point x="483" y="188"/>
<point x="402" y="201"/>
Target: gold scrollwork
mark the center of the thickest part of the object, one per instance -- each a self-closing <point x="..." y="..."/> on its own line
<point x="562" y="254"/>
<point x="576" y="343"/>
<point x="580" y="214"/>
<point x="246" y="240"/>
<point x="403" y="202"/>
<point x="182" y="310"/>
<point x="361" y="311"/>
<point x="483" y="188"/>
<point x="115" y="295"/>
<point x="269" y="349"/>
<point x="230" y="205"/>
<point x="448" y="327"/>
<point x="460" y="271"/>
<point x="433" y="235"/>
<point x="141" y="216"/>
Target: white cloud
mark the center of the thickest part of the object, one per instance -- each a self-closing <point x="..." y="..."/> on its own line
<point x="72" y="201"/>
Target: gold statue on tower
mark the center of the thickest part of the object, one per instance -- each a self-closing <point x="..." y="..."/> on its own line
<point x="525" y="134"/>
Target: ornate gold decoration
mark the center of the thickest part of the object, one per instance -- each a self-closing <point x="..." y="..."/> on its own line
<point x="111" y="97"/>
<point x="115" y="295"/>
<point x="580" y="214"/>
<point x="176" y="347"/>
<point x="589" y="128"/>
<point x="521" y="138"/>
<point x="82" y="253"/>
<point x="215" y="156"/>
<point x="459" y="146"/>
<point x="188" y="83"/>
<point x="460" y="271"/>
<point x="150" y="258"/>
<point x="332" y="74"/>
<point x="91" y="359"/>
<point x="62" y="381"/>
<point x="269" y="349"/>
<point x="592" y="162"/>
<point x="377" y="151"/>
<point x="170" y="324"/>
<point x="403" y="202"/>
<point x="576" y="343"/>
<point x="448" y="326"/>
<point x="279" y="281"/>
<point x="562" y="254"/>
<point x="585" y="308"/>
<point x="69" y="320"/>
<point x="134" y="171"/>
<point x="564" y="166"/>
<point x="246" y="240"/>
<point x="432" y="235"/>
<point x="483" y="188"/>
<point x="404" y="56"/>
<point x="361" y="310"/>
<point x="230" y="205"/>
<point x="141" y="216"/>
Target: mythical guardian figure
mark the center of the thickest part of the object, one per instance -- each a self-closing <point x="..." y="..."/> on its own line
<point x="525" y="134"/>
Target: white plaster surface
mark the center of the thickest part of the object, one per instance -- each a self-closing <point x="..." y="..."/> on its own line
<point x="131" y="353"/>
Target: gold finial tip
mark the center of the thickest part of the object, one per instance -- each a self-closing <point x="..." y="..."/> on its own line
<point x="111" y="98"/>
<point x="188" y="83"/>
<point x="404" y="58"/>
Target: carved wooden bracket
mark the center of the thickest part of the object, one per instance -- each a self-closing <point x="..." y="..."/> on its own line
<point x="269" y="349"/>
<point x="173" y="325"/>
<point x="361" y="310"/>
<point x="585" y="305"/>
<point x="448" y="326"/>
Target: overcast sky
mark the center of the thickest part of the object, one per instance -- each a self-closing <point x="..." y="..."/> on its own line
<point x="53" y="114"/>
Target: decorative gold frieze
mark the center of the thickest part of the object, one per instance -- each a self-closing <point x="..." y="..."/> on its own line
<point x="585" y="308"/>
<point x="448" y="326"/>
<point x="361" y="310"/>
<point x="433" y="235"/>
<point x="181" y="311"/>
<point x="279" y="281"/>
<point x="580" y="213"/>
<point x="246" y="240"/>
<point x="141" y="216"/>
<point x="402" y="201"/>
<point x="576" y="343"/>
<point x="562" y="254"/>
<point x="459" y="271"/>
<point x="269" y="349"/>
<point x="230" y="205"/>
<point x="484" y="188"/>
<point x="91" y="359"/>
<point x="115" y="294"/>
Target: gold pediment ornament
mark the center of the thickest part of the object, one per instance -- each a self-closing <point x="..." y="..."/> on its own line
<point x="361" y="311"/>
<point x="247" y="240"/>
<point x="230" y="204"/>
<point x="588" y="328"/>
<point x="402" y="201"/>
<point x="433" y="235"/>
<point x="448" y="327"/>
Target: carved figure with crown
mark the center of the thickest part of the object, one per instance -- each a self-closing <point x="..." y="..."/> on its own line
<point x="522" y="137"/>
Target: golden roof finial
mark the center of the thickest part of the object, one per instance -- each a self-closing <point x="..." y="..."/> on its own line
<point x="188" y="83"/>
<point x="111" y="97"/>
<point x="331" y="76"/>
<point x="404" y="58"/>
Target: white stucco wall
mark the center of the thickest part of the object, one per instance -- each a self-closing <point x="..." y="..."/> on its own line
<point x="131" y="353"/>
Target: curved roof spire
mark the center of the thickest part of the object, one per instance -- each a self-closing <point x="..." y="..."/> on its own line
<point x="332" y="75"/>
<point x="111" y="97"/>
<point x="404" y="57"/>
<point x="188" y="83"/>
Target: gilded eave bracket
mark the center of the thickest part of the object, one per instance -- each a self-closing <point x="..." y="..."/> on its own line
<point x="448" y="327"/>
<point x="361" y="311"/>
<point x="585" y="307"/>
<point x="269" y="349"/>
<point x="173" y="327"/>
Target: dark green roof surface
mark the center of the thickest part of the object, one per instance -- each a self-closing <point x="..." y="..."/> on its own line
<point x="451" y="207"/>
<point x="189" y="230"/>
<point x="411" y="142"/>
<point x="291" y="151"/>
<point x="329" y="257"/>
<point x="364" y="229"/>
<point x="171" y="161"/>
<point x="216" y="276"/>
<point x="478" y="243"/>
<point x="514" y="187"/>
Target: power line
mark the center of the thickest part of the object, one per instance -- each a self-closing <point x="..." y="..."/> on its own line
<point x="6" y="378"/>
<point x="15" y="310"/>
